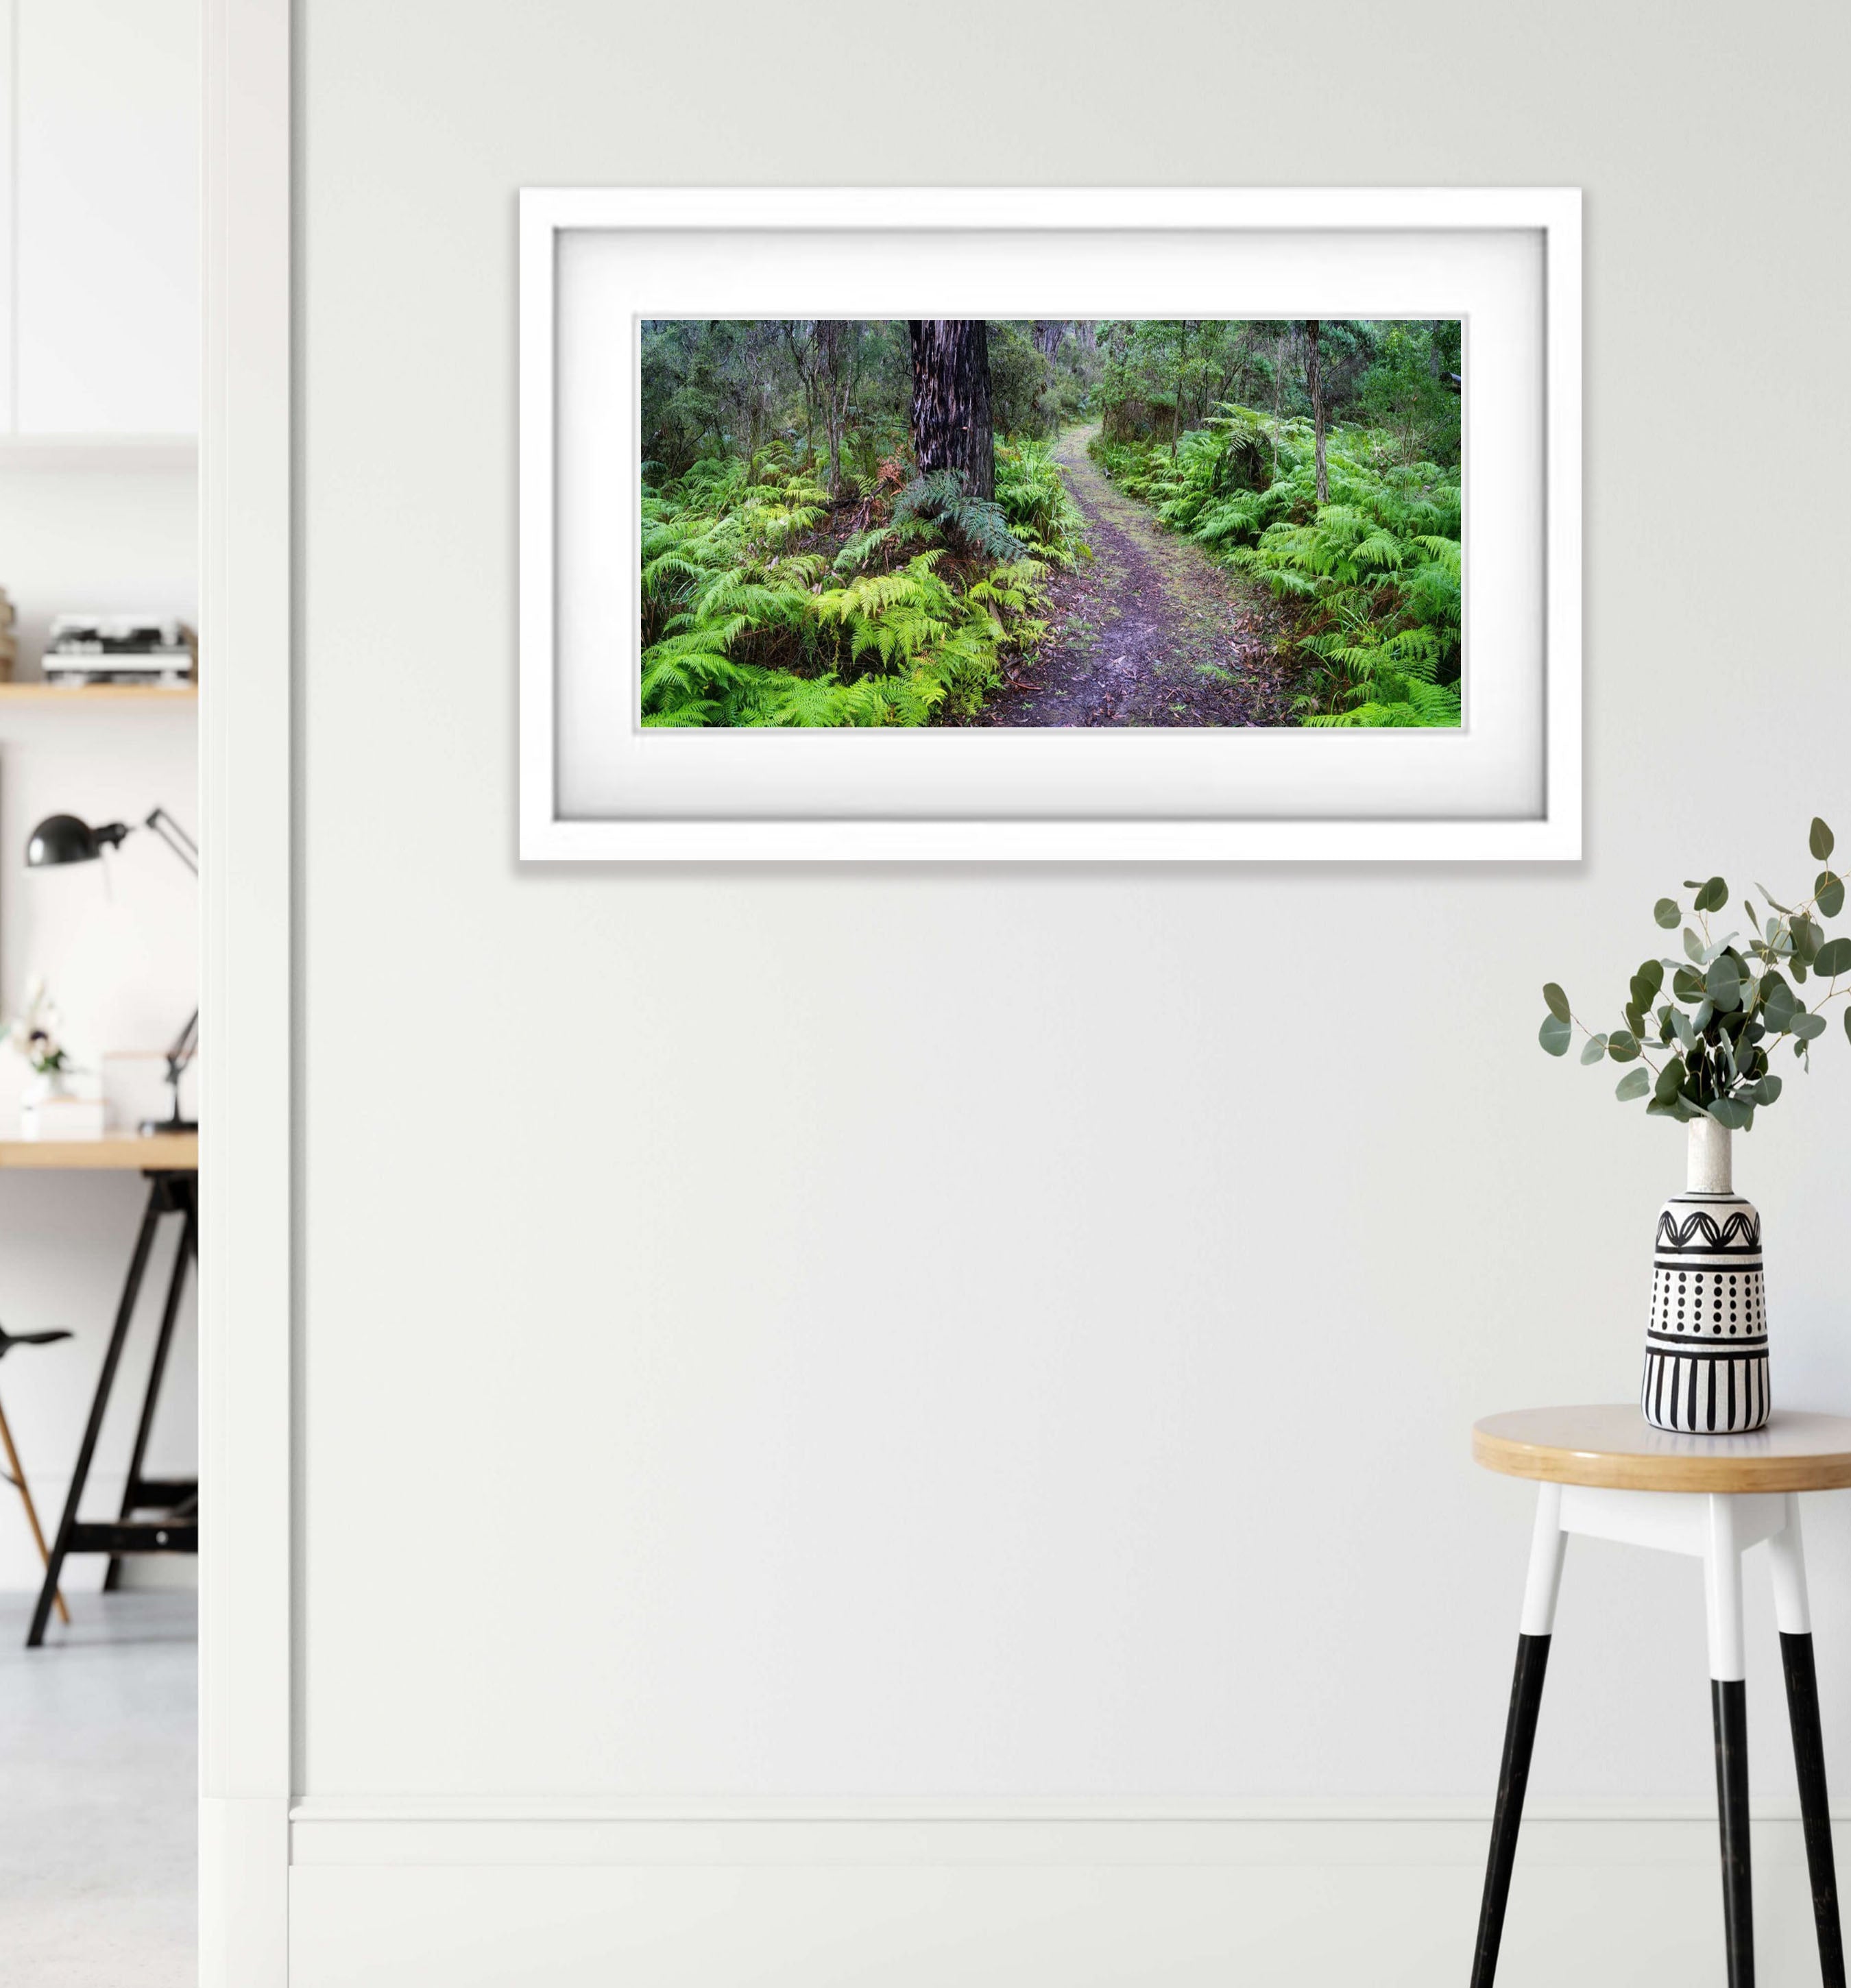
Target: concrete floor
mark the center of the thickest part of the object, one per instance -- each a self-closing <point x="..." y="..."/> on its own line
<point x="98" y="1769"/>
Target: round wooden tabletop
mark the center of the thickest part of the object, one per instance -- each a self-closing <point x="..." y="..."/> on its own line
<point x="1615" y="1449"/>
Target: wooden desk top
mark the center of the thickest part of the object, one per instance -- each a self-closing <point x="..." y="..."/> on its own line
<point x="177" y="1152"/>
<point x="1614" y="1448"/>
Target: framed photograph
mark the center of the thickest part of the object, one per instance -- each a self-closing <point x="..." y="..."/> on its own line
<point x="1241" y="525"/>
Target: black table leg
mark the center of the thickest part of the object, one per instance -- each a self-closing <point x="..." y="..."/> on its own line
<point x="136" y="1492"/>
<point x="1809" y="1765"/>
<point x="158" y="1203"/>
<point x="1513" y="1780"/>
<point x="1728" y="1703"/>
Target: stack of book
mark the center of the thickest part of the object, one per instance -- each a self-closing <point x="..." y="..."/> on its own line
<point x="75" y="1111"/>
<point x="118" y="649"/>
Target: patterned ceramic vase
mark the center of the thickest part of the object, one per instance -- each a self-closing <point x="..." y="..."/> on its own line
<point x="1707" y="1344"/>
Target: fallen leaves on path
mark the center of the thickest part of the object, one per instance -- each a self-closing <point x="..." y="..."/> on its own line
<point x="1153" y="632"/>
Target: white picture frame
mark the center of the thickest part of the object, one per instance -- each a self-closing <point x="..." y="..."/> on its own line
<point x="1506" y="787"/>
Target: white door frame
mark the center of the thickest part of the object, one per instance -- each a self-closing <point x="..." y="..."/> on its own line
<point x="245" y="1261"/>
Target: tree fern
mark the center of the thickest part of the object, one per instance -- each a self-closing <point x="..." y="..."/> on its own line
<point x="977" y="521"/>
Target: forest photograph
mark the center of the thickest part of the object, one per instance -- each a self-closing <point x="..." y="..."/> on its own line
<point x="1051" y="522"/>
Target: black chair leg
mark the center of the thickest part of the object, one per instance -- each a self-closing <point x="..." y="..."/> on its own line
<point x="1729" y="1708"/>
<point x="184" y="1253"/>
<point x="1513" y="1780"/>
<point x="87" y="1449"/>
<point x="1809" y="1765"/>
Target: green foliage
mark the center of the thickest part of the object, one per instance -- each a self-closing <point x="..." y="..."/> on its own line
<point x="1033" y="496"/>
<point x="977" y="521"/>
<point x="1734" y="1001"/>
<point x="751" y="618"/>
<point x="1370" y="579"/>
<point x="1018" y="379"/>
<point x="1162" y="377"/>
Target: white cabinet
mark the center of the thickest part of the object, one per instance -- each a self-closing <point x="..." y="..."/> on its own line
<point x="105" y="312"/>
<point x="7" y="98"/>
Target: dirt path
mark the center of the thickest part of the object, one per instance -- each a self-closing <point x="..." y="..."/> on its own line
<point x="1151" y="632"/>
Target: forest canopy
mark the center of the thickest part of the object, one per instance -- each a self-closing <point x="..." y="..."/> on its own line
<point x="868" y="523"/>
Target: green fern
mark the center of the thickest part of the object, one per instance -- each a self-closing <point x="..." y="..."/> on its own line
<point x="1370" y="578"/>
<point x="979" y="522"/>
<point x="748" y="621"/>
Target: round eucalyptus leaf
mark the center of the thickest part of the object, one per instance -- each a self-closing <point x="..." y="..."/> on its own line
<point x="1726" y="1112"/>
<point x="1555" y="1001"/>
<point x="1635" y="1083"/>
<point x="1666" y="912"/>
<point x="1819" y="841"/>
<point x="1621" y="1046"/>
<point x="1834" y="957"/>
<point x="1808" y="1028"/>
<point x="1554" y="1035"/>
<point x="1596" y="1047"/>
<point x="1713" y="896"/>
<point x="1830" y="892"/>
<point x="1669" y="1080"/>
<point x="1723" y="983"/>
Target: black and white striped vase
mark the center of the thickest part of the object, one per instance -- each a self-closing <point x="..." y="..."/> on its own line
<point x="1707" y="1344"/>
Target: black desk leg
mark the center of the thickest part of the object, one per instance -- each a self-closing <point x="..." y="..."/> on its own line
<point x="1809" y="1764"/>
<point x="158" y="1203"/>
<point x="1513" y="1780"/>
<point x="132" y="1488"/>
<point x="1729" y="1706"/>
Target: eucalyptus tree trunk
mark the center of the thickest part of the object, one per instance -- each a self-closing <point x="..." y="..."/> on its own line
<point x="951" y="426"/>
<point x="1314" y="377"/>
<point x="1176" y="413"/>
<point x="1278" y="396"/>
<point x="1048" y="333"/>
<point x="835" y="364"/>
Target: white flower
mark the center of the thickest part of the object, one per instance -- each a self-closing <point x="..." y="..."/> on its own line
<point x="34" y="1033"/>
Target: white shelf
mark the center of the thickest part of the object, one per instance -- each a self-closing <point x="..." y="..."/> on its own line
<point x="102" y="451"/>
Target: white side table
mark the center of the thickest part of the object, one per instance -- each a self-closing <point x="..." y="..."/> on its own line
<point x="1605" y="1471"/>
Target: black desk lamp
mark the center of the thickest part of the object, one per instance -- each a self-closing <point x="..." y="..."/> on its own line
<point x="62" y="838"/>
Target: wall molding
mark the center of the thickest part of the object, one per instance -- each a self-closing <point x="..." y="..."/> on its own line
<point x="576" y="1830"/>
<point x="423" y="1893"/>
<point x="246" y="1083"/>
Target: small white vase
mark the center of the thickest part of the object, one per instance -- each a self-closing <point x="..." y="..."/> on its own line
<point x="1707" y="1342"/>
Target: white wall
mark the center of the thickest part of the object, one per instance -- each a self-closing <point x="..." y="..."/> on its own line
<point x="988" y="1333"/>
<point x="119" y="951"/>
<point x="106" y="274"/>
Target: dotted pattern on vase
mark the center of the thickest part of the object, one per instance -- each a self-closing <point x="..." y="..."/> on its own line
<point x="1708" y="1303"/>
<point x="1705" y="1365"/>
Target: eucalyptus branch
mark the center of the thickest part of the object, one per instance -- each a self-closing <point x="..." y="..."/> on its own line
<point x="1724" y="1013"/>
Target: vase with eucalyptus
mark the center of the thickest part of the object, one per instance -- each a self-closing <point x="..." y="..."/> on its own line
<point x="1700" y="1038"/>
